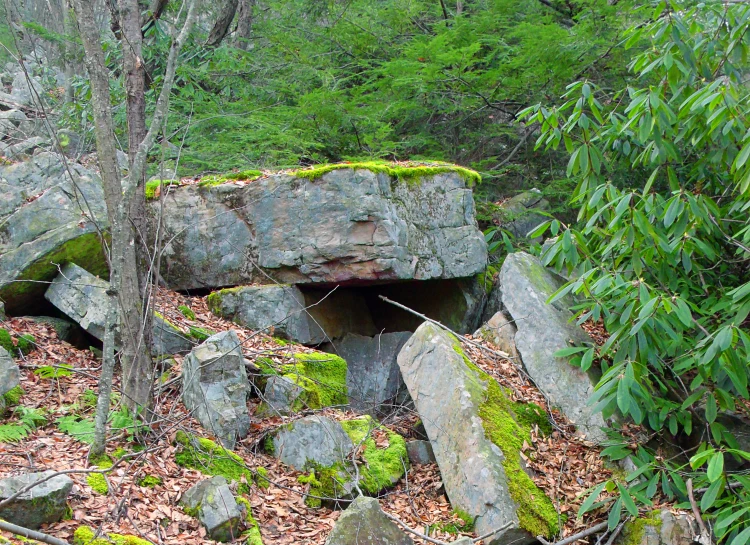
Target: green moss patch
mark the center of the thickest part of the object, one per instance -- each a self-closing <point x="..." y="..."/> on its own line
<point x="84" y="249"/>
<point x="212" y="459"/>
<point x="97" y="481"/>
<point x="26" y="343"/>
<point x="252" y="534"/>
<point x="150" y="481"/>
<point x="85" y="535"/>
<point x="200" y="334"/>
<point x="382" y="467"/>
<point x="404" y="172"/>
<point x="635" y="530"/>
<point x="243" y="175"/>
<point x="6" y="341"/>
<point x="13" y="396"/>
<point x="325" y="482"/>
<point x="186" y="312"/>
<point x="323" y="376"/>
<point x="153" y="188"/>
<point x="508" y="424"/>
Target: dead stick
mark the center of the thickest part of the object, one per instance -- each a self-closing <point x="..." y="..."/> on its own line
<point x="493" y="532"/>
<point x="575" y="537"/>
<point x="419" y="535"/>
<point x="30" y="534"/>
<point x="697" y="513"/>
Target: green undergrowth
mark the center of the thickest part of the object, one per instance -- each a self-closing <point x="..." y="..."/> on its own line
<point x="508" y="424"/>
<point x="252" y="534"/>
<point x="321" y="376"/>
<point x="382" y="467"/>
<point x="402" y="172"/>
<point x="243" y="175"/>
<point x="85" y="535"/>
<point x="212" y="459"/>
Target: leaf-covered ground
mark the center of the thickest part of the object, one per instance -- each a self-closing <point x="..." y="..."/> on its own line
<point x="563" y="465"/>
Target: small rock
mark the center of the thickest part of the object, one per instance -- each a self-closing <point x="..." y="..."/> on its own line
<point x="280" y="396"/>
<point x="313" y="439"/>
<point x="520" y="214"/>
<point x="42" y="504"/>
<point x="10" y="376"/>
<point x="364" y="522"/>
<point x="659" y="528"/>
<point x="215" y="387"/>
<point x="22" y="89"/>
<point x="420" y="452"/>
<point x="167" y="338"/>
<point x="215" y="506"/>
<point x="500" y="330"/>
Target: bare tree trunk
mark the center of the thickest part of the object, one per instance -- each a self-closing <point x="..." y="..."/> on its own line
<point x="244" y="24"/>
<point x="223" y="22"/>
<point x="110" y="172"/>
<point x="136" y="319"/>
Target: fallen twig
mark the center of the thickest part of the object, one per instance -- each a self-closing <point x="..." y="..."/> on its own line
<point x="31" y="534"/>
<point x="705" y="537"/>
<point x="575" y="537"/>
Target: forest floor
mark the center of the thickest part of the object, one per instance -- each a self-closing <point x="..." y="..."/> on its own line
<point x="562" y="464"/>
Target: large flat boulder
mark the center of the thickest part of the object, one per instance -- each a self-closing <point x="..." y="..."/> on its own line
<point x="525" y="286"/>
<point x="347" y="225"/>
<point x="83" y="298"/>
<point x="215" y="387"/>
<point x="42" y="504"/>
<point x="45" y="220"/>
<point x="364" y="522"/>
<point x="477" y="433"/>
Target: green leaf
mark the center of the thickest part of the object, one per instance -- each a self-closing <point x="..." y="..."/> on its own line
<point x="742" y="538"/>
<point x="709" y="497"/>
<point x="615" y="514"/>
<point x="711" y="408"/>
<point x="715" y="467"/>
<point x="627" y="500"/>
<point x="589" y="502"/>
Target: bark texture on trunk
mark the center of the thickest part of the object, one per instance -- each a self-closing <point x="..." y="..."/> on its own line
<point x="222" y="24"/>
<point x="244" y="24"/>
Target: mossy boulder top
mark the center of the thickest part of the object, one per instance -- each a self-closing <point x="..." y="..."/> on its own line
<point x="346" y="224"/>
<point x="477" y="434"/>
<point x="47" y="218"/>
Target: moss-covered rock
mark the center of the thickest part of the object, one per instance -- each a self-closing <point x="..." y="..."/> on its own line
<point x="85" y="535"/>
<point x="186" y="312"/>
<point x="405" y="172"/>
<point x="212" y="459"/>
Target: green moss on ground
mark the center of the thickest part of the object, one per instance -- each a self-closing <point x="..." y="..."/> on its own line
<point x="6" y="341"/>
<point x="323" y="377"/>
<point x="508" y="424"/>
<point x="325" y="482"/>
<point x="97" y="481"/>
<point x="212" y="459"/>
<point x="243" y="175"/>
<point x="84" y="535"/>
<point x="26" y="343"/>
<point x="150" y="481"/>
<point x="382" y="467"/>
<point x="186" y="312"/>
<point x="200" y="334"/>
<point x="13" y="396"/>
<point x="84" y="249"/>
<point x="153" y="185"/>
<point x="260" y="477"/>
<point x="635" y="530"/>
<point x="252" y="534"/>
<point x="402" y="172"/>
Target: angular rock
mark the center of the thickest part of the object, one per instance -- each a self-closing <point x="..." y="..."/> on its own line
<point x="500" y="330"/>
<point x="520" y="214"/>
<point x="477" y="434"/>
<point x="347" y="225"/>
<point x="27" y="91"/>
<point x="307" y="318"/>
<point x="313" y="439"/>
<point x="46" y="220"/>
<point x="363" y="522"/>
<point x="544" y="329"/>
<point x="83" y="298"/>
<point x="280" y="397"/>
<point x="420" y="452"/>
<point x="373" y="377"/>
<point x="10" y="376"/>
<point x="43" y="504"/>
<point x="212" y="502"/>
<point x="660" y="528"/>
<point x="24" y="147"/>
<point x="215" y="387"/>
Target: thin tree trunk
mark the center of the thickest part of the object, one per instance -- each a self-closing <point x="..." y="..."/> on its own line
<point x="136" y="316"/>
<point x="222" y="24"/>
<point x="244" y="24"/>
<point x="110" y="172"/>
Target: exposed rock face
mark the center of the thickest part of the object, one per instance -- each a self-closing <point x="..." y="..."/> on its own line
<point x="10" y="376"/>
<point x="500" y="330"/>
<point x="660" y="528"/>
<point x="306" y="319"/>
<point x="214" y="505"/>
<point x="420" y="452"/>
<point x="45" y="220"/>
<point x="43" y="504"/>
<point x="364" y="523"/>
<point x="520" y="214"/>
<point x="83" y="298"/>
<point x="373" y="377"/>
<point x="280" y="397"/>
<point x="215" y="387"/>
<point x="455" y="402"/>
<point x="313" y="439"/>
<point x="543" y="329"/>
<point x="346" y="226"/>
<point x="27" y="91"/>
